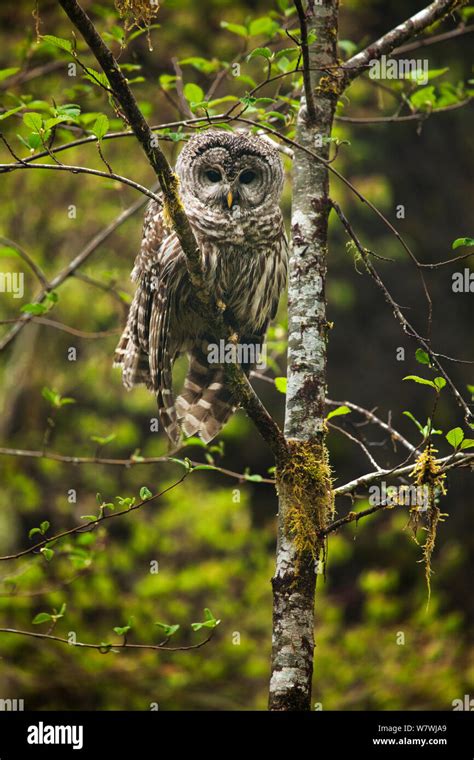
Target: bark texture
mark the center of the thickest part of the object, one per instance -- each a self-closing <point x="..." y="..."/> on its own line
<point x="303" y="479"/>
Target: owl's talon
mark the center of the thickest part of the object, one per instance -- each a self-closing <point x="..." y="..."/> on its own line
<point x="221" y="305"/>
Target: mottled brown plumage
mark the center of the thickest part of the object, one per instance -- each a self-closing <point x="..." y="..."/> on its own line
<point x="230" y="185"/>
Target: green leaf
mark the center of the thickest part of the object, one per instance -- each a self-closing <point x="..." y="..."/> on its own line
<point x="144" y="30"/>
<point x="34" y="141"/>
<point x="48" y="554"/>
<point x="145" y="493"/>
<point x="455" y="437"/>
<point x="101" y="126"/>
<point x="421" y="356"/>
<point x="5" y="73"/>
<point x="463" y="241"/>
<point x="10" y="112"/>
<point x="435" y="73"/>
<point x="33" y="532"/>
<point x="347" y="46"/>
<point x="201" y="64"/>
<point x="263" y="26"/>
<point x="413" y="419"/>
<point x="208" y="622"/>
<point x="168" y="630"/>
<point x="90" y="518"/>
<point x="50" y="395"/>
<point x="97" y="77"/>
<point x="467" y="443"/>
<point x="235" y="29"/>
<point x="438" y="383"/>
<point x="337" y="412"/>
<point x="65" y="401"/>
<point x="183" y="462"/>
<point x="281" y="384"/>
<point x="42" y="617"/>
<point x="34" y="308"/>
<point x="424" y="98"/>
<point x="193" y="93"/>
<point x="122" y="630"/>
<point x="167" y="81"/>
<point x="256" y="478"/>
<point x="33" y="121"/>
<point x="71" y="110"/>
<point x="103" y="440"/>
<point x="195" y="441"/>
<point x="116" y="33"/>
<point x="7" y="251"/>
<point x="126" y="501"/>
<point x="44" y="526"/>
<point x="263" y="52"/>
<point x="58" y="42"/>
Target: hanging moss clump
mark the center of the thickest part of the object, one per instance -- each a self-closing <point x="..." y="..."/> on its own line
<point x="431" y="481"/>
<point x="137" y="12"/>
<point x="305" y="486"/>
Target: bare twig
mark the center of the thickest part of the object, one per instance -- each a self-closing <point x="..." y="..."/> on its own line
<point x="407" y="327"/>
<point x="308" y="86"/>
<point x="376" y="420"/>
<point x="396" y="37"/>
<point x="456" y="460"/>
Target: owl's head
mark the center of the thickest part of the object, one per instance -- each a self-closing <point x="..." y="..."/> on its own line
<point x="224" y="170"/>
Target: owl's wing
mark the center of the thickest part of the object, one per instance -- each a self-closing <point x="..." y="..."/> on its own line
<point x="131" y="353"/>
<point x="148" y="344"/>
<point x="164" y="339"/>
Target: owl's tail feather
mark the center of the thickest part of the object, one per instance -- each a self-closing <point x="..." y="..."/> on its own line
<point x="133" y="361"/>
<point x="166" y="408"/>
<point x="206" y="403"/>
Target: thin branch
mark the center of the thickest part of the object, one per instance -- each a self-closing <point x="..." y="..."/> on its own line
<point x="27" y="259"/>
<point x="81" y="170"/>
<point x="360" y="443"/>
<point x="130" y="462"/>
<point x="65" y="328"/>
<point x="92" y="524"/>
<point x="394" y="119"/>
<point x="407" y="327"/>
<point x="396" y="37"/>
<point x="105" y="648"/>
<point x="183" y="108"/>
<point x="377" y="421"/>
<point x="458" y="460"/>
<point x="425" y="42"/>
<point x="308" y="87"/>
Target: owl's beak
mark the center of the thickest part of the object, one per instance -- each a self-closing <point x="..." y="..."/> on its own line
<point x="230" y="199"/>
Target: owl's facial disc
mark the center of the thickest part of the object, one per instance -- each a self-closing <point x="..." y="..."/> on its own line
<point x="223" y="181"/>
<point x="234" y="175"/>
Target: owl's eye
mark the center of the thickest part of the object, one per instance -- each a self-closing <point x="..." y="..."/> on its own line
<point x="213" y="175"/>
<point x="247" y="177"/>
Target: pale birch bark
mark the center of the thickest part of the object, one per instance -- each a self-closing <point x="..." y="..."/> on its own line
<point x="294" y="580"/>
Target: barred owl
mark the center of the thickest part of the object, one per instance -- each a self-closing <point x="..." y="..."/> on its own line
<point x="230" y="184"/>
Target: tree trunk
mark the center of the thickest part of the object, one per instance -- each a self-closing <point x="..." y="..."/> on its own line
<point x="303" y="478"/>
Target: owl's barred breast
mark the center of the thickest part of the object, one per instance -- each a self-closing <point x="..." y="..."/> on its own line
<point x="246" y="264"/>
